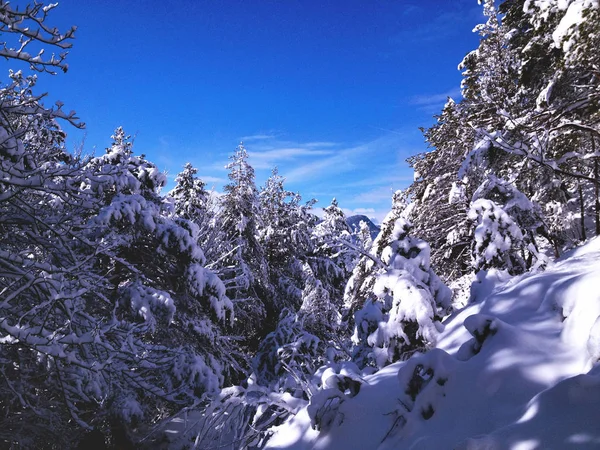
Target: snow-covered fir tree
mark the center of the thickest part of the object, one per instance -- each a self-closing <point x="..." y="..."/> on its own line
<point x="438" y="197"/>
<point x="335" y="253"/>
<point x="398" y="297"/>
<point x="285" y="235"/>
<point x="244" y="265"/>
<point x="192" y="202"/>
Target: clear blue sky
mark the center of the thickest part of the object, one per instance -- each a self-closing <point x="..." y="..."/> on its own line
<point x="331" y="92"/>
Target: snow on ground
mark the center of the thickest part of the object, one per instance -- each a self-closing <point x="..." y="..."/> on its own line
<point x="512" y="370"/>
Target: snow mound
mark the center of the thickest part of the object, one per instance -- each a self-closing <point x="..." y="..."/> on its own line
<point x="516" y="368"/>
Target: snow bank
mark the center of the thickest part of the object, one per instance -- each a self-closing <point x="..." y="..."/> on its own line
<point x="516" y="368"/>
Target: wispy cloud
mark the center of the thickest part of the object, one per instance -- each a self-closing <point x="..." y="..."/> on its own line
<point x="435" y="99"/>
<point x="267" y="151"/>
<point x="332" y="165"/>
<point x="208" y="179"/>
<point x="433" y="103"/>
<point x="344" y="159"/>
<point x="350" y="164"/>
<point x="274" y="157"/>
<point x="377" y="195"/>
<point x="394" y="179"/>
<point x="321" y="144"/>
<point x="257" y="137"/>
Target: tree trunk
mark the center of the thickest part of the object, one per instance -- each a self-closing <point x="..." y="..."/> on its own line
<point x="582" y="211"/>
<point x="596" y="189"/>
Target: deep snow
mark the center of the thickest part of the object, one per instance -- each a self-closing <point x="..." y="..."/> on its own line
<point x="513" y="369"/>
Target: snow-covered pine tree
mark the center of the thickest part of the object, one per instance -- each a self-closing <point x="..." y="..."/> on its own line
<point x="360" y="284"/>
<point x="497" y="238"/>
<point x="364" y="237"/>
<point x="506" y="225"/>
<point x="244" y="265"/>
<point x="191" y="201"/>
<point x="170" y="314"/>
<point x="335" y="253"/>
<point x="285" y="234"/>
<point x="320" y="315"/>
<point x="95" y="333"/>
<point x="540" y="132"/>
<point x="438" y="198"/>
<point x="190" y="196"/>
<point x="398" y="297"/>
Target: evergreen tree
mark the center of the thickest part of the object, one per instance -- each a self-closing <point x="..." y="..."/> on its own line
<point x="394" y="295"/>
<point x="407" y="300"/>
<point x="361" y="282"/>
<point x="320" y="315"/>
<point x="335" y="253"/>
<point x="438" y="197"/>
<point x="190" y="196"/>
<point x="244" y="266"/>
<point x="191" y="201"/>
<point x="285" y="234"/>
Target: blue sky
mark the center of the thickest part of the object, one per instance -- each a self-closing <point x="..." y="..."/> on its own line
<point x="331" y="92"/>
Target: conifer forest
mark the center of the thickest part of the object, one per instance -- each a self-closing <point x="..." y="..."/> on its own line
<point x="469" y="318"/>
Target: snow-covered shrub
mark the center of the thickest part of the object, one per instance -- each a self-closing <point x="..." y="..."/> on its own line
<point x="481" y="327"/>
<point x="288" y="357"/>
<point x="336" y="383"/>
<point x="485" y="282"/>
<point x="527" y="215"/>
<point x="498" y="241"/>
<point x="423" y="380"/>
<point x="404" y="305"/>
<point x="240" y="417"/>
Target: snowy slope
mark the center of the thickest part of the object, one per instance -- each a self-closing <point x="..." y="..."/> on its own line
<point x="514" y="369"/>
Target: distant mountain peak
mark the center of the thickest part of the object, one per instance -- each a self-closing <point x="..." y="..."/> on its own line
<point x="354" y="224"/>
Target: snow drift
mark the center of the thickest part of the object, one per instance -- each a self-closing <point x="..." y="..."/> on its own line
<point x="516" y="368"/>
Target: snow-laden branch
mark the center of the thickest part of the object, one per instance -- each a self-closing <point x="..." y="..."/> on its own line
<point x="29" y="24"/>
<point x="521" y="149"/>
<point x="341" y="243"/>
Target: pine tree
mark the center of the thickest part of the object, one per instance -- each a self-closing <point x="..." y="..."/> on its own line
<point x="335" y="253"/>
<point x="244" y="267"/>
<point x="171" y="313"/>
<point x="439" y="197"/>
<point x="320" y="315"/>
<point x="407" y="300"/>
<point x="192" y="202"/>
<point x="360" y="284"/>
<point x="190" y="196"/>
<point x="285" y="234"/>
<point x="394" y="295"/>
